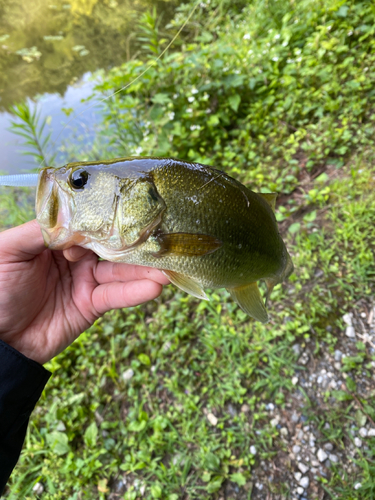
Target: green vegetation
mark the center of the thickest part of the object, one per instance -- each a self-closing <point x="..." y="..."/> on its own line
<point x="167" y="398"/>
<point x="47" y="45"/>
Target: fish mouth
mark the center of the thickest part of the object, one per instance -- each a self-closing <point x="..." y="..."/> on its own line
<point x="52" y="207"/>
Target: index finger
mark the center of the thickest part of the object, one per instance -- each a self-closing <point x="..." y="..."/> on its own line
<point x="22" y="242"/>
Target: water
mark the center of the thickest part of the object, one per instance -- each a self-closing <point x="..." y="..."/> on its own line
<point x="50" y="48"/>
<point x="82" y="121"/>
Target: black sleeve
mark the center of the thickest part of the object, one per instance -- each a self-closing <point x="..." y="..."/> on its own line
<point x="22" y="381"/>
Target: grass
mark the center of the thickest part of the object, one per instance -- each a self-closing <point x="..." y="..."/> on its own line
<point x="94" y="430"/>
<point x="165" y="400"/>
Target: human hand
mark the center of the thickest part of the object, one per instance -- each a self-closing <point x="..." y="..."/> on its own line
<point x="48" y="298"/>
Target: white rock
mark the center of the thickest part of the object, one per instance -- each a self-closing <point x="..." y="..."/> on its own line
<point x="275" y="421"/>
<point x="328" y="446"/>
<point x="297" y="349"/>
<point x="253" y="450"/>
<point x="284" y="431"/>
<point x="212" y="419"/>
<point x="298" y="476"/>
<point x="363" y="432"/>
<point x="305" y="481"/>
<point x="296" y="449"/>
<point x="371" y="433"/>
<point x="295" y="380"/>
<point x="337" y="355"/>
<point x="357" y="486"/>
<point x="322" y="455"/>
<point x="333" y="458"/>
<point x="128" y="374"/>
<point x="348" y="319"/>
<point x="349" y="332"/>
<point x="303" y="468"/>
<point x="358" y="442"/>
<point x="300" y="490"/>
<point x="38" y="488"/>
<point x="245" y="408"/>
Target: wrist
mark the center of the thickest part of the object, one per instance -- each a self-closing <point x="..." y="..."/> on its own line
<point x="24" y="350"/>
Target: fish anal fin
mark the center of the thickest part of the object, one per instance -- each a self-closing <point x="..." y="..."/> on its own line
<point x="186" y="244"/>
<point x="186" y="284"/>
<point x="270" y="198"/>
<point x="248" y="297"/>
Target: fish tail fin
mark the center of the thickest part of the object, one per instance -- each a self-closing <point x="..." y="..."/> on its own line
<point x="287" y="271"/>
<point x="248" y="297"/>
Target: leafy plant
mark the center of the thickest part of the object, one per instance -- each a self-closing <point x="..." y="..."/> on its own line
<point x="31" y="127"/>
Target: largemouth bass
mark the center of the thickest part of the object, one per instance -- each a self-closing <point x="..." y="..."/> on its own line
<point x="196" y="223"/>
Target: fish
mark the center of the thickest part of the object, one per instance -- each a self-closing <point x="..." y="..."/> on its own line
<point x="201" y="227"/>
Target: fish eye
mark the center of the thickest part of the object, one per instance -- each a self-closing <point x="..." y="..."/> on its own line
<point x="78" y="179"/>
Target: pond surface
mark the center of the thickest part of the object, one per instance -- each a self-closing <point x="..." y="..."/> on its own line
<point x="49" y="48"/>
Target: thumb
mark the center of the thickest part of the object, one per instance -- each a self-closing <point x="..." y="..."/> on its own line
<point x="22" y="242"/>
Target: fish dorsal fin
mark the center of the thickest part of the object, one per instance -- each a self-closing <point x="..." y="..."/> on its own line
<point x="186" y="284"/>
<point x="270" y="198"/>
<point x="186" y="244"/>
<point x="249" y="299"/>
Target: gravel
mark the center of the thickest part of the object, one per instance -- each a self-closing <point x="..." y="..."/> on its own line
<point x="304" y="482"/>
<point x="312" y="454"/>
<point x="212" y="419"/>
<point x="358" y="442"/>
<point x="298" y="476"/>
<point x="333" y="458"/>
<point x="350" y="332"/>
<point x="363" y="432"/>
<point x="128" y="374"/>
<point x="337" y="355"/>
<point x="348" y="319"/>
<point x="322" y="455"/>
<point x="303" y="468"/>
<point x="38" y="488"/>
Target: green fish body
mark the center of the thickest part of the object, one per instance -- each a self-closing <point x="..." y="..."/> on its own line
<point x="197" y="224"/>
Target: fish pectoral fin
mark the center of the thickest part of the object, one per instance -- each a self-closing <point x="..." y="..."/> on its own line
<point x="186" y="244"/>
<point x="186" y="284"/>
<point x="270" y="198"/>
<point x="249" y="299"/>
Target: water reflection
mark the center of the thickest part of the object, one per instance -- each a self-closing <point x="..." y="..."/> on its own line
<point x="81" y="122"/>
<point x="46" y="46"/>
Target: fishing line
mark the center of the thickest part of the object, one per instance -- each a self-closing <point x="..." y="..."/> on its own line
<point x="154" y="61"/>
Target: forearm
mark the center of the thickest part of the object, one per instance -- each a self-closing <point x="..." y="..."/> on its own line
<point x="21" y="383"/>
